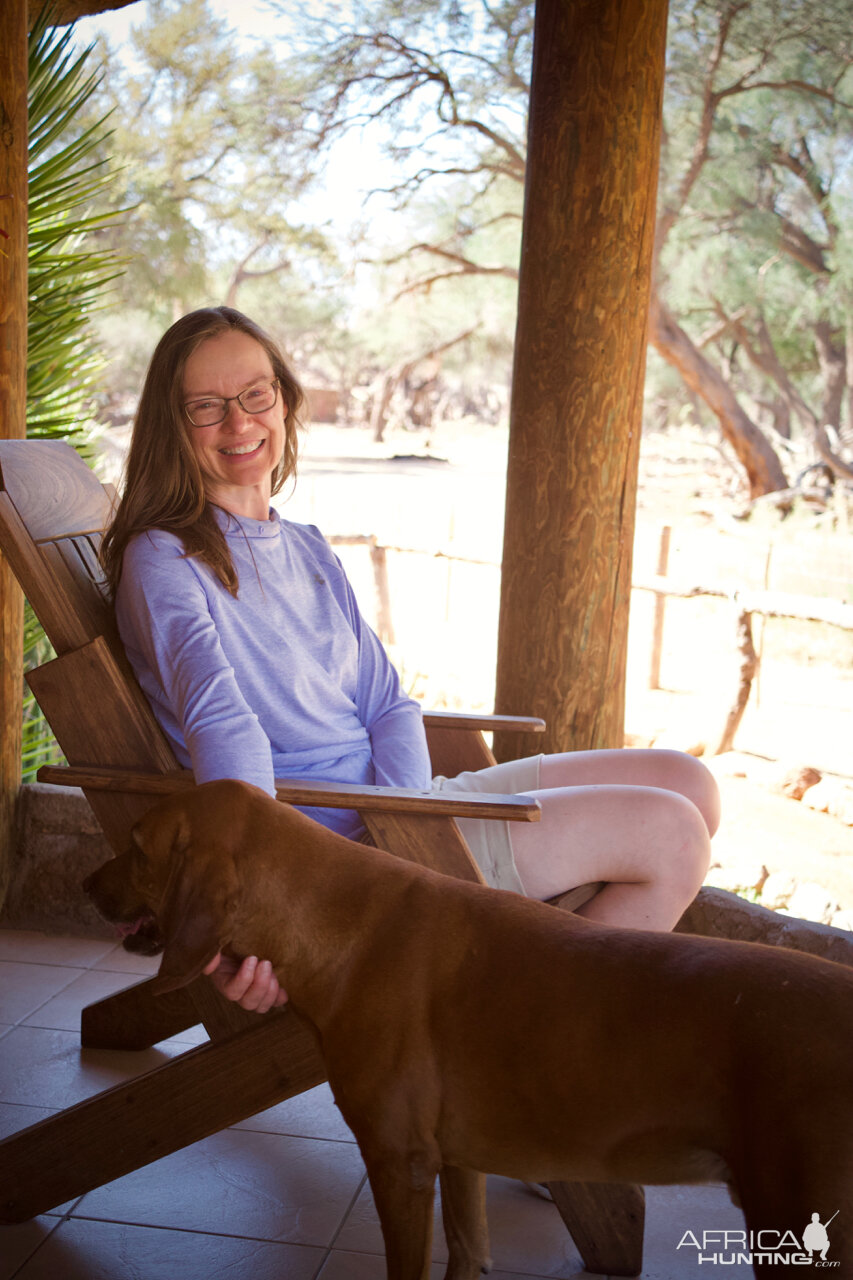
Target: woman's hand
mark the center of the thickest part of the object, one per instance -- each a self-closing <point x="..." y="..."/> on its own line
<point x="251" y="982"/>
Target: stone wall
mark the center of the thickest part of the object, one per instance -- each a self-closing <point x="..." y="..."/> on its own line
<point x="58" y="843"/>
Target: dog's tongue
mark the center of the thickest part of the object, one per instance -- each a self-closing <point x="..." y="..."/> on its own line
<point x="125" y="930"/>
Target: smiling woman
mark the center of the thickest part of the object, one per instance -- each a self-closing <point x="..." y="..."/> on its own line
<point x="182" y="465"/>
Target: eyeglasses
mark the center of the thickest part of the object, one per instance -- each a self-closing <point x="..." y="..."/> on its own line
<point x="214" y="409"/>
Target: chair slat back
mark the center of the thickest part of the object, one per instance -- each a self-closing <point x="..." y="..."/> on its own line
<point x="52" y="513"/>
<point x="54" y="509"/>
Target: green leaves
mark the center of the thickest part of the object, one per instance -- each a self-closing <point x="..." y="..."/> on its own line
<point x="68" y="271"/>
<point x="69" y="275"/>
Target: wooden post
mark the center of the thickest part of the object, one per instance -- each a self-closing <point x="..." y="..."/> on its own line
<point x="746" y="674"/>
<point x="660" y="608"/>
<point x="580" y="356"/>
<point x="13" y="387"/>
<point x="384" y="625"/>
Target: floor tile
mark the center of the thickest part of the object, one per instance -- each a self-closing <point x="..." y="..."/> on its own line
<point x="14" y="1117"/>
<point x="47" y="948"/>
<point x="364" y="1266"/>
<point x="527" y="1234"/>
<point x="20" y="1242"/>
<point x="670" y="1211"/>
<point x="260" y="1185"/>
<point x="62" y="1012"/>
<point x="120" y="961"/>
<point x="25" y="987"/>
<point x="46" y="1068"/>
<point x="80" y="1250"/>
<point x="312" y="1114"/>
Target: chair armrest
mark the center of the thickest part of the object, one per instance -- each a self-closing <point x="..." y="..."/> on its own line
<point x="308" y="791"/>
<point x="486" y="723"/>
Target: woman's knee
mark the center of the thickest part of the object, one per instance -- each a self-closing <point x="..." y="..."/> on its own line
<point x="685" y="842"/>
<point x="692" y="779"/>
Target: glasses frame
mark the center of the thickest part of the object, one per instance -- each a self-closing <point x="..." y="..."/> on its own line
<point x="226" y="400"/>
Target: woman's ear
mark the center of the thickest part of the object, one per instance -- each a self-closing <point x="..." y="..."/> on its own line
<point x="195" y="916"/>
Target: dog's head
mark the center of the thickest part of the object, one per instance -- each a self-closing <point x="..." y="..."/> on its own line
<point x="174" y="891"/>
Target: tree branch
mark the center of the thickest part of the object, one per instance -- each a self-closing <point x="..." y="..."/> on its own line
<point x="799" y="86"/>
<point x="766" y="359"/>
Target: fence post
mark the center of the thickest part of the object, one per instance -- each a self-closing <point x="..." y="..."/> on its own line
<point x="660" y="606"/>
<point x="384" y="625"/>
<point x="748" y="667"/>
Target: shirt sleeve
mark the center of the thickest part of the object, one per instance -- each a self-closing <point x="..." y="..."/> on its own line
<point x="393" y="720"/>
<point x="171" y="639"/>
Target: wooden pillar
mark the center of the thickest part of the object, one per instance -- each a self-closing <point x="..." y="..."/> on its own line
<point x="13" y="385"/>
<point x="589" y="215"/>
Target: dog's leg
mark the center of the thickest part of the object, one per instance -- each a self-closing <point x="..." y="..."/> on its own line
<point x="404" y="1191"/>
<point x="463" y="1211"/>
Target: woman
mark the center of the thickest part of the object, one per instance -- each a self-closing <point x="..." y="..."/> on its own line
<point x="246" y="638"/>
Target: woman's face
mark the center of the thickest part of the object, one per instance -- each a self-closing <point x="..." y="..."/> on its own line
<point x="238" y="455"/>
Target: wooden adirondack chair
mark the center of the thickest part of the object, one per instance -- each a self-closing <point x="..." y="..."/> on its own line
<point x="52" y="512"/>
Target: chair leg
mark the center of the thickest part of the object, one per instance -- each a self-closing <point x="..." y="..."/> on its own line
<point x="606" y="1222"/>
<point x="136" y="1019"/>
<point x="191" y="1097"/>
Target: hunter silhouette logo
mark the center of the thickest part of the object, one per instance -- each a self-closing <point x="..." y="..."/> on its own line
<point x="762" y="1248"/>
<point x="815" y="1238"/>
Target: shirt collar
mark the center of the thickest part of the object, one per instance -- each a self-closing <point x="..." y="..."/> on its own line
<point x="233" y="526"/>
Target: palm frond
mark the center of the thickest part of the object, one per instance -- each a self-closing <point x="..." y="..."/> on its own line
<point x="69" y="278"/>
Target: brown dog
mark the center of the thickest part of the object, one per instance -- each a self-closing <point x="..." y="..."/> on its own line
<point x="465" y="1029"/>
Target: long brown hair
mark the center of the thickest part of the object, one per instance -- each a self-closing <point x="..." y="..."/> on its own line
<point x="164" y="488"/>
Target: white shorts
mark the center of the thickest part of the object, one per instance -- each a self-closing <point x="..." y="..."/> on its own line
<point x="489" y="840"/>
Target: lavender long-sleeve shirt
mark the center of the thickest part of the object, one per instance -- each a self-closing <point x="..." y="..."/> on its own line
<point x="287" y="680"/>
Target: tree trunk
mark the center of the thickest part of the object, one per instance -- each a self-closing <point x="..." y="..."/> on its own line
<point x="754" y="452"/>
<point x="13" y="387"/>
<point x="833" y="368"/>
<point x="594" y="138"/>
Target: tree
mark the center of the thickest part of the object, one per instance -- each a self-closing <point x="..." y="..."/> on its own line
<point x="753" y="264"/>
<point x="747" y="197"/>
<point x="213" y="170"/>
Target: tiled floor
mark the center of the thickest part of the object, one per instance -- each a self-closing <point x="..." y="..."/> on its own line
<point x="282" y="1196"/>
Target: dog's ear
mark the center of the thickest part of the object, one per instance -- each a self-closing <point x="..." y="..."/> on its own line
<point x="163" y="832"/>
<point x="195" y="915"/>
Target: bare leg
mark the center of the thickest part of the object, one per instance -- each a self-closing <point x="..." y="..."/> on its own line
<point x="667" y="770"/>
<point x="651" y="846"/>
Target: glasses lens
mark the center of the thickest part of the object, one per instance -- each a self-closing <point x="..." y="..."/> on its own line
<point x="205" y="413"/>
<point x="258" y="399"/>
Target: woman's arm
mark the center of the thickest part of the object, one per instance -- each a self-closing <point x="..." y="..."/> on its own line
<point x="172" y="642"/>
